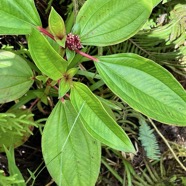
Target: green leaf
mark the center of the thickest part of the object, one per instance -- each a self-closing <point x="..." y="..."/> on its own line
<point x="46" y="58"/>
<point x="56" y="24"/>
<point x="145" y="86"/>
<point x="64" y="87"/>
<point x="70" y="54"/>
<point x="155" y="2"/>
<point x="97" y="121"/>
<point x="74" y="59"/>
<point x="13" y="169"/>
<point x="18" y="17"/>
<point x="71" y="155"/>
<point x="54" y="45"/>
<point x="66" y="81"/>
<point x="109" y="103"/>
<point x="57" y="27"/>
<point x="71" y="72"/>
<point x="16" y="76"/>
<point x="31" y="94"/>
<point x="109" y="22"/>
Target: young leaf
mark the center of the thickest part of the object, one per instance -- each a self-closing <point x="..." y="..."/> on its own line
<point x="57" y="27"/>
<point x="16" y="76"/>
<point x="97" y="121"/>
<point x="71" y="72"/>
<point x="71" y="155"/>
<point x="18" y="17"/>
<point x="109" y="22"/>
<point x="46" y="58"/>
<point x="64" y="87"/>
<point x="66" y="81"/>
<point x="145" y="86"/>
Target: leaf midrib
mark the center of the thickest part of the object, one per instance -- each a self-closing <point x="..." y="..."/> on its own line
<point x="138" y="90"/>
<point x="110" y="119"/>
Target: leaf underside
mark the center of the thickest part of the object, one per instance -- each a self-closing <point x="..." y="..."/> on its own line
<point x="18" y="17"/>
<point x="45" y="57"/>
<point x="145" y="86"/>
<point x="109" y="22"/>
<point x="97" y="121"/>
<point x="71" y="155"/>
<point x="16" y="76"/>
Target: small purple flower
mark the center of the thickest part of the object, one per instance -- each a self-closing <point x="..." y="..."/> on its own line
<point x="73" y="42"/>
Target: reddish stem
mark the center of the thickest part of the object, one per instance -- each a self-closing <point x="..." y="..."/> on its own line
<point x="45" y="32"/>
<point x="86" y="55"/>
<point x="55" y="87"/>
<point x="67" y="95"/>
<point x="33" y="103"/>
<point x="62" y="100"/>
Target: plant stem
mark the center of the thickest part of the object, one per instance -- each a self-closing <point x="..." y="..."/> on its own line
<point x="86" y="55"/>
<point x="100" y="51"/>
<point x="33" y="103"/>
<point x="166" y="142"/>
<point x="113" y="172"/>
<point x="75" y="5"/>
<point x="62" y="100"/>
<point x="45" y="32"/>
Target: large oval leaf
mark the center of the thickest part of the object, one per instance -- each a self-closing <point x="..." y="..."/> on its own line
<point x="108" y="22"/>
<point x="145" y="86"/>
<point x="18" y="17"/>
<point x="71" y="155"/>
<point x="16" y="76"/>
<point x="46" y="58"/>
<point x="97" y="121"/>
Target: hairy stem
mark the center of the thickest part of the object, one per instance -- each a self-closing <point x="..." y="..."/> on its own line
<point x="45" y="32"/>
<point x="86" y="55"/>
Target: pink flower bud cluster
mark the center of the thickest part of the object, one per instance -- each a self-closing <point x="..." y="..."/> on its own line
<point x="73" y="42"/>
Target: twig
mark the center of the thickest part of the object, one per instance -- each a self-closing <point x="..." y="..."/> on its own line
<point x="86" y="55"/>
<point x="166" y="142"/>
<point x="45" y="32"/>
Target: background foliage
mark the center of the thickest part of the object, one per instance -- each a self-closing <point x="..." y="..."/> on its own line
<point x="162" y="39"/>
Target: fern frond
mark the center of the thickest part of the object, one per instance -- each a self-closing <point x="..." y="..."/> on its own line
<point x="15" y="127"/>
<point x="9" y="180"/>
<point x="162" y="43"/>
<point x="165" y="38"/>
<point x="11" y="122"/>
<point x="148" y="140"/>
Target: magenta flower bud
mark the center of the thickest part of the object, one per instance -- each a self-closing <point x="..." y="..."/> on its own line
<point x="73" y="42"/>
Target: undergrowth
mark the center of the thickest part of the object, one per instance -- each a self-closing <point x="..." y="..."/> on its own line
<point x="162" y="39"/>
